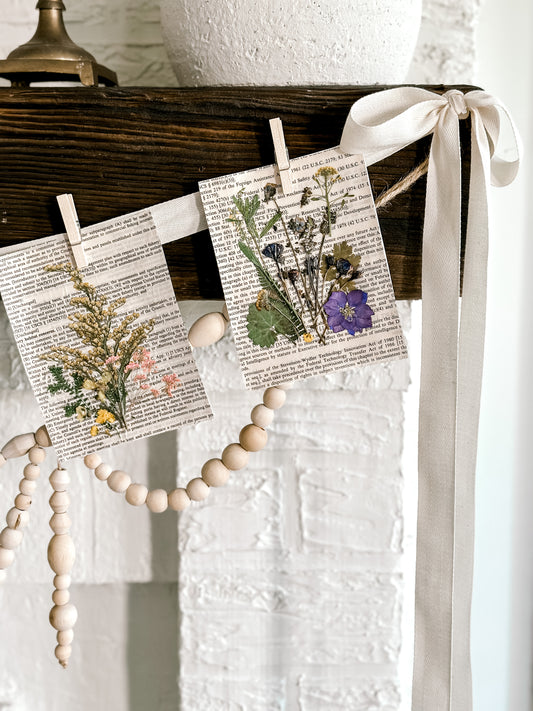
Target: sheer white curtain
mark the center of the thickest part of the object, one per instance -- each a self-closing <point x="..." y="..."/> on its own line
<point x="502" y="628"/>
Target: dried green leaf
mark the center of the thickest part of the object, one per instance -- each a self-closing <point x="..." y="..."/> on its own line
<point x="349" y="286"/>
<point x="270" y="224"/>
<point x="343" y="250"/>
<point x="262" y="326"/>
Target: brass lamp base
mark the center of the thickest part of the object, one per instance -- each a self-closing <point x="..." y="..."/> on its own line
<point x="51" y="55"/>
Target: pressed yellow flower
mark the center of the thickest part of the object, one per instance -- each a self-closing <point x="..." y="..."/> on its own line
<point x="81" y="413"/>
<point x="307" y="337"/>
<point x="103" y="416"/>
<point x="101" y="396"/>
<point x="89" y="384"/>
<point x="94" y="431"/>
<point x="326" y="171"/>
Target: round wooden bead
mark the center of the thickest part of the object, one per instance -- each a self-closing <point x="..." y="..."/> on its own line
<point x="118" y="481"/>
<point x="60" y="597"/>
<point x="214" y="473"/>
<point x="2" y="460"/>
<point x="157" y="500"/>
<point x="22" y="502"/>
<point x="262" y="416"/>
<point x="6" y="558"/>
<point x="103" y="471"/>
<point x="19" y="445"/>
<point x="17" y="519"/>
<point x="178" y="499"/>
<point x="60" y="523"/>
<point x="235" y="457"/>
<point x="136" y="494"/>
<point x="197" y="489"/>
<point x="42" y="437"/>
<point x="36" y="455"/>
<point x="27" y="487"/>
<point x="63" y="653"/>
<point x="32" y="472"/>
<point x="59" y="480"/>
<point x="208" y="329"/>
<point x="61" y="554"/>
<point x="65" y="637"/>
<point x="253" y="438"/>
<point x="59" y="501"/>
<point x="62" y="582"/>
<point x="10" y="538"/>
<point x="91" y="461"/>
<point x="274" y="398"/>
<point x="63" y="617"/>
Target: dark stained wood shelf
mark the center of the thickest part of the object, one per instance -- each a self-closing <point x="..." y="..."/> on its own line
<point x="122" y="149"/>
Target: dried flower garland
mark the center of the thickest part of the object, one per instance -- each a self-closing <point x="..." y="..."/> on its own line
<point x="343" y="309"/>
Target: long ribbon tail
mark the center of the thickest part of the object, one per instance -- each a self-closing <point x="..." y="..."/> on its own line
<point x="437" y="428"/>
<point x="472" y="335"/>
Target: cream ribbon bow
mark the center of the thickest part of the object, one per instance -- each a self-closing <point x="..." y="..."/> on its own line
<point x="452" y="357"/>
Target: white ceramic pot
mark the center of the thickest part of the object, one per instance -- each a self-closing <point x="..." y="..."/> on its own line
<point x="282" y="42"/>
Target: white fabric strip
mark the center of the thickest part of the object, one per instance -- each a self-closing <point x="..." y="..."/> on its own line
<point x="174" y="219"/>
<point x="179" y="218"/>
<point x="379" y="125"/>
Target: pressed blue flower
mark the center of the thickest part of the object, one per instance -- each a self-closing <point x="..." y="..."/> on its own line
<point x="273" y="251"/>
<point x="348" y="312"/>
<point x="343" y="266"/>
<point x="297" y="225"/>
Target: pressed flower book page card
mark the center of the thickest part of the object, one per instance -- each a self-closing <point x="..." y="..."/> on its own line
<point x="305" y="275"/>
<point x="104" y="347"/>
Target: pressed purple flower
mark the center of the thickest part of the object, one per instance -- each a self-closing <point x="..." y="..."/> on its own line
<point x="273" y="251"/>
<point x="348" y="312"/>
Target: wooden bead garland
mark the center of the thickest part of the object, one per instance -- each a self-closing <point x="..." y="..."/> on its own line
<point x="17" y="517"/>
<point x="215" y="472"/>
<point x="208" y="329"/>
<point x="61" y="555"/>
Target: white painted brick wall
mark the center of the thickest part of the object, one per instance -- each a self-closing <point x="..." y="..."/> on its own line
<point x="289" y="581"/>
<point x="291" y="577"/>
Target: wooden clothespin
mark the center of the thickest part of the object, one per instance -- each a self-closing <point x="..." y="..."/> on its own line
<point x="72" y="225"/>
<point x="282" y="155"/>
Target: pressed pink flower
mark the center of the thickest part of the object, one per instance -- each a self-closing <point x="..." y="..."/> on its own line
<point x="144" y="360"/>
<point x="111" y="359"/>
<point x="131" y="366"/>
<point x="155" y="392"/>
<point x="171" y="381"/>
<point x="139" y="377"/>
<point x="144" y="386"/>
